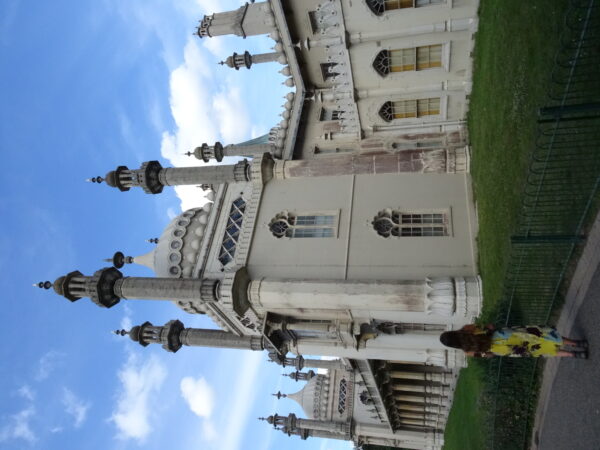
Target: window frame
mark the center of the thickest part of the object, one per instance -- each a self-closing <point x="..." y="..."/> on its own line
<point x="382" y="54"/>
<point x="293" y="230"/>
<point x="379" y="7"/>
<point x="406" y="106"/>
<point x="401" y="219"/>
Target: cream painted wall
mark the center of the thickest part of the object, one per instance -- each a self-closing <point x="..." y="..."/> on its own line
<point x="358" y="253"/>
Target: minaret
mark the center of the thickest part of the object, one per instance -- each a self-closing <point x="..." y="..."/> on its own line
<point x="173" y="335"/>
<point x="301" y="376"/>
<point x="207" y="152"/>
<point x="108" y="286"/>
<point x="152" y="177"/>
<point x="249" y="20"/>
<point x="246" y="60"/>
<point x="291" y="425"/>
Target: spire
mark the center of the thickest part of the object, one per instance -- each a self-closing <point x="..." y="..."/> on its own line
<point x="43" y="284"/>
<point x="250" y="19"/>
<point x="279" y="395"/>
<point x="152" y="241"/>
<point x="95" y="180"/>
<point x="119" y="260"/>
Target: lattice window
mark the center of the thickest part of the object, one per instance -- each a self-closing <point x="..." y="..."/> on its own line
<point x="408" y="59"/>
<point x="406" y="109"/>
<point x="304" y="226"/>
<point x="232" y="231"/>
<point x="381" y="6"/>
<point x="407" y="224"/>
<point x="342" y="398"/>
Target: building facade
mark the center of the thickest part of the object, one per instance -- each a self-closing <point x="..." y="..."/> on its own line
<point x="349" y="232"/>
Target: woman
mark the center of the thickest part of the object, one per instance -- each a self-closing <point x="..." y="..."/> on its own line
<point x="514" y="341"/>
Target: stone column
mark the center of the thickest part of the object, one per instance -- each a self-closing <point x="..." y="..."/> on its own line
<point x="174" y="335"/>
<point x="412" y="161"/>
<point x="299" y="362"/>
<point x="246" y="60"/>
<point x="320" y="425"/>
<point x="433" y="300"/>
<point x="108" y="286"/>
<point x="152" y="177"/>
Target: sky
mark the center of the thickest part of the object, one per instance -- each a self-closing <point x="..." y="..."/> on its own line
<point x="88" y="85"/>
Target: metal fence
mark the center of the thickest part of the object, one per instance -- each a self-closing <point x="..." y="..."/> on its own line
<point x="561" y="191"/>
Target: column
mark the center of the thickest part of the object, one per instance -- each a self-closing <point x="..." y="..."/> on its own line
<point x="400" y="162"/>
<point x="108" y="286"/>
<point x="320" y="425"/>
<point x="173" y="335"/>
<point x="246" y="60"/>
<point x="207" y="152"/>
<point x="432" y="300"/>
<point x="152" y="177"/>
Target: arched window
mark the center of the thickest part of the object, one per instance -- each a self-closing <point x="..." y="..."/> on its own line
<point x="304" y="226"/>
<point x="391" y="222"/>
<point x="406" y="109"/>
<point x="408" y="59"/>
<point x="380" y="6"/>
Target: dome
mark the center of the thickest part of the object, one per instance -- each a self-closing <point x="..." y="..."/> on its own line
<point x="176" y="253"/>
<point x="313" y="398"/>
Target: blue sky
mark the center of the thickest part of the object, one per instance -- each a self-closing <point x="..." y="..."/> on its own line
<point x="88" y="85"/>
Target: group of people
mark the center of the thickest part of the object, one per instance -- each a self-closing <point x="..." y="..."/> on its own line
<point x="520" y="341"/>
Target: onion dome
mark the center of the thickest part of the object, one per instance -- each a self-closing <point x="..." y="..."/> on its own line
<point x="176" y="252"/>
<point x="313" y="398"/>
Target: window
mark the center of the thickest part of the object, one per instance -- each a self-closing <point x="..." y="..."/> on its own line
<point x="407" y="224"/>
<point x="330" y="114"/>
<point x="342" y="398"/>
<point x="232" y="231"/>
<point x="381" y="6"/>
<point x="328" y="70"/>
<point x="304" y="226"/>
<point x="408" y="59"/>
<point x="406" y="109"/>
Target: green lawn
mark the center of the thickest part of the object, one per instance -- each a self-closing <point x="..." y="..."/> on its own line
<point x="514" y="55"/>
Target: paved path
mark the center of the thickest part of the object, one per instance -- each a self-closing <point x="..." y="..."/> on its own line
<point x="568" y="416"/>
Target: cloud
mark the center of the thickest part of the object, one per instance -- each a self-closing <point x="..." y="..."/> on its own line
<point x="19" y="427"/>
<point x="204" y="109"/>
<point x="244" y="396"/>
<point x="47" y="363"/>
<point x="140" y="384"/>
<point x="75" y="407"/>
<point x="199" y="396"/>
<point x="26" y="392"/>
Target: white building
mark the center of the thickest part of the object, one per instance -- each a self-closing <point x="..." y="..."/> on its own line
<point x="351" y="232"/>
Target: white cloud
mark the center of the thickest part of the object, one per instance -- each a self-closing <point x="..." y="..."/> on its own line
<point x="19" y="427"/>
<point x="199" y="396"/>
<point x="140" y="384"/>
<point x="47" y="364"/>
<point x="244" y="396"/>
<point x="75" y="407"/>
<point x="26" y="392"/>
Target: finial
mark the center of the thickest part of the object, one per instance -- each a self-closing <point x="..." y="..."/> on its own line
<point x="279" y="395"/>
<point x="221" y="62"/>
<point x="119" y="260"/>
<point x="121" y="332"/>
<point x="95" y="180"/>
<point x="43" y="285"/>
<point x="152" y="241"/>
<point x="189" y="154"/>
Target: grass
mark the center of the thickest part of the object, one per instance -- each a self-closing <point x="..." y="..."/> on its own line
<point x="465" y="421"/>
<point x="514" y="56"/>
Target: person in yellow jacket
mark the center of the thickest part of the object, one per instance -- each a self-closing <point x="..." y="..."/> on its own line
<point x="517" y="341"/>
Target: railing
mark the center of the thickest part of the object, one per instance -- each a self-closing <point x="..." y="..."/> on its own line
<point x="561" y="191"/>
